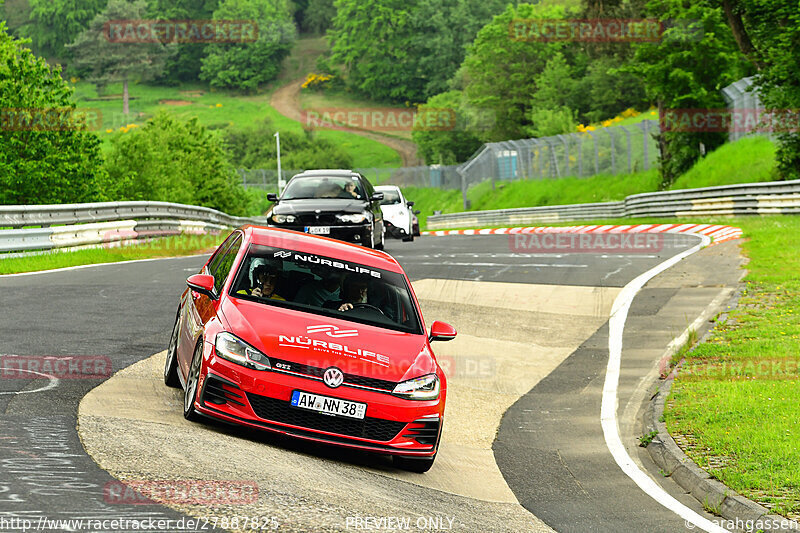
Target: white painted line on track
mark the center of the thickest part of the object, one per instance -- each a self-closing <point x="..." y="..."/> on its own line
<point x="50" y="385"/>
<point x="78" y="267"/>
<point x="515" y="265"/>
<point x="608" y="409"/>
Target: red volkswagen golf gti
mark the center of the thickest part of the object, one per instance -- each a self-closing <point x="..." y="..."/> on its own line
<point x="313" y="338"/>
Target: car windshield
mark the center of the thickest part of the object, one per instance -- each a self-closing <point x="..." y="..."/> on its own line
<point x="347" y="188"/>
<point x="326" y="286"/>
<point x="390" y="196"/>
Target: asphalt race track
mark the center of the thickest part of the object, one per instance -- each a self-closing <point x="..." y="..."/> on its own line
<point x="522" y="447"/>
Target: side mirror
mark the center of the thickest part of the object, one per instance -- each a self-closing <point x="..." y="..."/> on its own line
<point x="202" y="283"/>
<point x="376" y="197"/>
<point x="441" y="331"/>
<point x="410" y="204"/>
<point x="272" y="197"/>
<point x="417" y="211"/>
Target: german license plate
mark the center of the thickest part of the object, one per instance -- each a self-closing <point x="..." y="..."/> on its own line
<point x="328" y="405"/>
<point x="318" y="230"/>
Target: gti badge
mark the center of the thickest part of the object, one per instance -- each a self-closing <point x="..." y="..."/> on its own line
<point x="333" y="377"/>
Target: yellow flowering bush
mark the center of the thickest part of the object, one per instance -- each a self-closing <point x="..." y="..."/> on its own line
<point x="316" y="81"/>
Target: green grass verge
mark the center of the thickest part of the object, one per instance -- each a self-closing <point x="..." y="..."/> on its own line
<point x="737" y="397"/>
<point x="747" y="160"/>
<point x="163" y="247"/>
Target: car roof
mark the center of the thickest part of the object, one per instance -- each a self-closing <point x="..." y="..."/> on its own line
<point x="302" y="242"/>
<point x="332" y="172"/>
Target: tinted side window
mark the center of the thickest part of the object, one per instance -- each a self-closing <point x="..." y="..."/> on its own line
<point x="220" y="253"/>
<point x="367" y="186"/>
<point x="225" y="265"/>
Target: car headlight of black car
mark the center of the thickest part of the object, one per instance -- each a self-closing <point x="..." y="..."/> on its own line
<point x="421" y="388"/>
<point x="283" y="219"/>
<point x="230" y="347"/>
<point x="355" y="218"/>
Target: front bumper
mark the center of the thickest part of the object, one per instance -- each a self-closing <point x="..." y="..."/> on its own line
<point x="356" y="233"/>
<point x="395" y="232"/>
<point x="261" y="399"/>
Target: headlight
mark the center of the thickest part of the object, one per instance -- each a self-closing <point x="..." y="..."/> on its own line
<point x="423" y="388"/>
<point x="283" y="219"/>
<point x="352" y="219"/>
<point x="232" y="348"/>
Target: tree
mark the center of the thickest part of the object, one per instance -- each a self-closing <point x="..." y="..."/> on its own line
<point x="56" y="23"/>
<point x="42" y="160"/>
<point x="173" y="161"/>
<point x="500" y="70"/>
<point x="687" y="69"/>
<point x="247" y="65"/>
<point x="449" y="145"/>
<point x="405" y="50"/>
<point x="768" y="34"/>
<point x="108" y="59"/>
<point x="318" y="16"/>
<point x="185" y="64"/>
<point x="255" y="148"/>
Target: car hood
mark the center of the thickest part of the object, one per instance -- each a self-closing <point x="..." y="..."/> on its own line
<point x="323" y="341"/>
<point x="324" y="205"/>
<point x="398" y="211"/>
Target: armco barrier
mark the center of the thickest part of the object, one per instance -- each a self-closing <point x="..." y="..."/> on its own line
<point x="770" y="198"/>
<point x="70" y="225"/>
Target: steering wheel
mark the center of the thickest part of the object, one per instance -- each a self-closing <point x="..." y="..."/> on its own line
<point x="362" y="305"/>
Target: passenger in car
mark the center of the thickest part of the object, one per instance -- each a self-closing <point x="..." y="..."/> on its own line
<point x="318" y="292"/>
<point x="354" y="291"/>
<point x="266" y="281"/>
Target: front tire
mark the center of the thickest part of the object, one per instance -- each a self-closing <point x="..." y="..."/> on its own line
<point x="190" y="393"/>
<point x="420" y="465"/>
<point x="171" y="364"/>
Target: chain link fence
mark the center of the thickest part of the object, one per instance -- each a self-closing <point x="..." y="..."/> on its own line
<point x="742" y="100"/>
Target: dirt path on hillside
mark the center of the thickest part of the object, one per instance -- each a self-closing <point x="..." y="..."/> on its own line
<point x="287" y="101"/>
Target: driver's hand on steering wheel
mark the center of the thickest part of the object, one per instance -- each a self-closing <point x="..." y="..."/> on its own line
<point x="345" y="307"/>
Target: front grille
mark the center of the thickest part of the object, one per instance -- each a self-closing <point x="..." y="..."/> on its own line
<point x="214" y="391"/>
<point x="349" y="379"/>
<point x="280" y="411"/>
<point x="323" y="219"/>
<point x="425" y="431"/>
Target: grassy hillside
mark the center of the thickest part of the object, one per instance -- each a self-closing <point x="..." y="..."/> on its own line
<point x="216" y="110"/>
<point x="747" y="160"/>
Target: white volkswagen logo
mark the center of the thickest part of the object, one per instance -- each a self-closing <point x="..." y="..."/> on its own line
<point x="333" y="377"/>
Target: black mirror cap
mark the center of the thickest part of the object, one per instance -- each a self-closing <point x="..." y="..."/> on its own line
<point x="272" y="197"/>
<point x="410" y="204"/>
<point x="376" y="197"/>
<point x="417" y="211"/>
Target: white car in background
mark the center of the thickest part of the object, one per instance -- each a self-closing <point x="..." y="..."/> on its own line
<point x="397" y="214"/>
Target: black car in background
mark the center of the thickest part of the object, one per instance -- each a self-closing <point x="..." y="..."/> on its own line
<point x="340" y="204"/>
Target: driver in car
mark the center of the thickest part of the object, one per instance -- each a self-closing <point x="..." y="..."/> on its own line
<point x="266" y="277"/>
<point x="354" y="292"/>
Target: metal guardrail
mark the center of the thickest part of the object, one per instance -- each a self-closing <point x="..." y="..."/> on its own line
<point x="45" y="227"/>
<point x="770" y="198"/>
